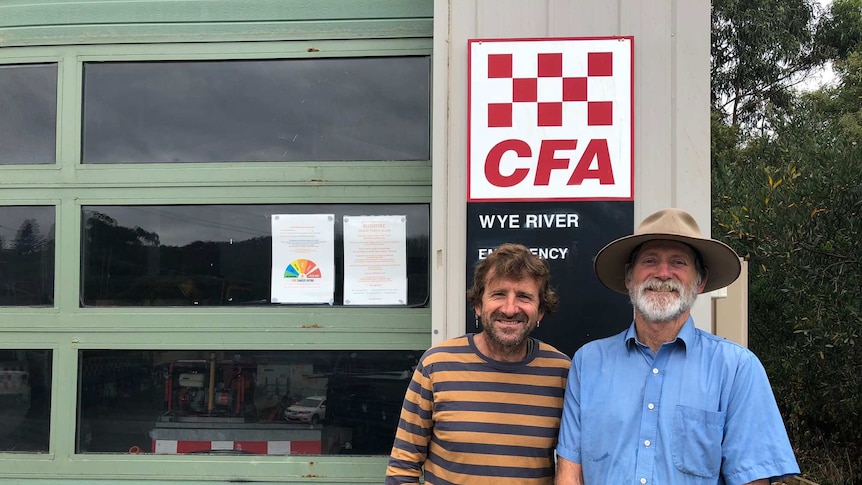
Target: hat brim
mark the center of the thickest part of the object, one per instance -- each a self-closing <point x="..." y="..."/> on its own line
<point x="722" y="263"/>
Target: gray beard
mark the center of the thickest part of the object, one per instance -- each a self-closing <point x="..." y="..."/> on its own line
<point x="666" y="307"/>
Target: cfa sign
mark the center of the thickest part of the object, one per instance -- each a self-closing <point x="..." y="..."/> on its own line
<point x="550" y="119"/>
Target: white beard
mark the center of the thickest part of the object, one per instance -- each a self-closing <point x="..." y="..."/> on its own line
<point x="667" y="301"/>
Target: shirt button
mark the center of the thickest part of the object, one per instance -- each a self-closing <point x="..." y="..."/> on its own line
<point x="655" y="371"/>
<point x="647" y="443"/>
<point x="650" y="406"/>
<point x="643" y="480"/>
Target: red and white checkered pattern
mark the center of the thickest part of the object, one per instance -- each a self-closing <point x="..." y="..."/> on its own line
<point x="571" y="89"/>
<point x="174" y="447"/>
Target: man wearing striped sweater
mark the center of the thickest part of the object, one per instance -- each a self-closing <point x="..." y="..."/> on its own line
<point x="485" y="408"/>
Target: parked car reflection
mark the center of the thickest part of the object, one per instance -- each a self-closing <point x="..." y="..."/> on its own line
<point x="311" y="409"/>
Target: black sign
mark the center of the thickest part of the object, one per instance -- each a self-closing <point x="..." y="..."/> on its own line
<point x="568" y="235"/>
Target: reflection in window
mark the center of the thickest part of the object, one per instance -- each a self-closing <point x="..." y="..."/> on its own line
<point x="214" y="255"/>
<point x="370" y="108"/>
<point x="25" y="400"/>
<point x="28" y="113"/>
<point x="241" y="402"/>
<point x="26" y="255"/>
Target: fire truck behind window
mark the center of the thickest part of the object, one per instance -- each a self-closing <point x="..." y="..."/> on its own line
<point x="25" y="400"/>
<point x="26" y="255"/>
<point x="369" y="108"/>
<point x="215" y="255"/>
<point x="28" y="113"/>
<point x="241" y="402"/>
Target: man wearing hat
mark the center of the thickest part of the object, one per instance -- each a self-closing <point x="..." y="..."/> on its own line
<point x="664" y="402"/>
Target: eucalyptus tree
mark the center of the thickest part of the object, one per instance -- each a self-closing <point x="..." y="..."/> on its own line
<point x="788" y="197"/>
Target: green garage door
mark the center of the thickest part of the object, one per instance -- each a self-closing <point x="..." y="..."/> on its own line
<point x="214" y="237"/>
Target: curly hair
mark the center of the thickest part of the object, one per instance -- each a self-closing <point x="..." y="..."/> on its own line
<point x="515" y="262"/>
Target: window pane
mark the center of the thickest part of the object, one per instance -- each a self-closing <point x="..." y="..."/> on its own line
<point x="28" y="114"/>
<point x="26" y="255"/>
<point x="215" y="255"/>
<point x="25" y="400"/>
<point x="242" y="402"/>
<point x="371" y="108"/>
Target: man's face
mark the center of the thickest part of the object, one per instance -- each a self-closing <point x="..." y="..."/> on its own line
<point x="509" y="310"/>
<point x="663" y="283"/>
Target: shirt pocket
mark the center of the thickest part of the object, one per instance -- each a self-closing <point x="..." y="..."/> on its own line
<point x="697" y="436"/>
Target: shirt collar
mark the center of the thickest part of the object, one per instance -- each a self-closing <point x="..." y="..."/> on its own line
<point x="631" y="336"/>
<point x="686" y="334"/>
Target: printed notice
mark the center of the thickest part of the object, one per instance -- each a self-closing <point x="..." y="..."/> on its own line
<point x="375" y="260"/>
<point x="303" y="258"/>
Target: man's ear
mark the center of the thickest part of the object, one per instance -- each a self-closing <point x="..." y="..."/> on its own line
<point x="703" y="281"/>
<point x="628" y="275"/>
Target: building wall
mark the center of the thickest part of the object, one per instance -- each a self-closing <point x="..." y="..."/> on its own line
<point x="671" y="111"/>
<point x="671" y="39"/>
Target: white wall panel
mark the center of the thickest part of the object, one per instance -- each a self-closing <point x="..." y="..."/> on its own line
<point x="583" y="19"/>
<point x="509" y="18"/>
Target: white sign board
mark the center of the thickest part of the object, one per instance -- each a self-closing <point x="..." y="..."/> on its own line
<point x="550" y="119"/>
<point x="375" y="260"/>
<point x="303" y="258"/>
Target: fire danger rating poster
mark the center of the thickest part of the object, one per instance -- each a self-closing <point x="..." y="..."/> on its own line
<point x="551" y="166"/>
<point x="303" y="258"/>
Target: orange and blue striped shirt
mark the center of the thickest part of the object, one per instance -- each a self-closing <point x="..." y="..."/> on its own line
<point x="468" y="419"/>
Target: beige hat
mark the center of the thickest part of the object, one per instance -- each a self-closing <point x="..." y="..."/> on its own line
<point x="673" y="225"/>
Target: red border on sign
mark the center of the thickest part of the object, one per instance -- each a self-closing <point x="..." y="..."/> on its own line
<point x="630" y="38"/>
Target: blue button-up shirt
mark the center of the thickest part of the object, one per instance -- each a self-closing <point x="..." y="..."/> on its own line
<point x="700" y="411"/>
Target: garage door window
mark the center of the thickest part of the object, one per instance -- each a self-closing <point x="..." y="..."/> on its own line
<point x="241" y="402"/>
<point x="28" y="114"/>
<point x="220" y="255"/>
<point x="369" y="108"/>
<point x="26" y="256"/>
<point x="25" y="400"/>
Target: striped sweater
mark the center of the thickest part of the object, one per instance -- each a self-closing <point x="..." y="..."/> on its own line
<point x="471" y="420"/>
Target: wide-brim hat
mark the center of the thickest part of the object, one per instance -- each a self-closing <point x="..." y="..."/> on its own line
<point x="720" y="260"/>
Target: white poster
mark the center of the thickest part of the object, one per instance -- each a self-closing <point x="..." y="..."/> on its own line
<point x="303" y="258"/>
<point x="375" y="260"/>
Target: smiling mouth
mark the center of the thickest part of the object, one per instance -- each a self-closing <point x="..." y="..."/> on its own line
<point x="509" y="320"/>
<point x="663" y="287"/>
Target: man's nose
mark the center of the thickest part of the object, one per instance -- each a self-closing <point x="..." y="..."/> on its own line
<point x="663" y="270"/>
<point x="510" y="305"/>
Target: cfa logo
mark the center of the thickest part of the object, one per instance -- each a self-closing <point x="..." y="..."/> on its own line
<point x="596" y="150"/>
<point x="550" y="119"/>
